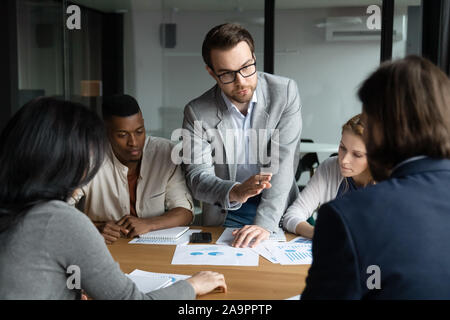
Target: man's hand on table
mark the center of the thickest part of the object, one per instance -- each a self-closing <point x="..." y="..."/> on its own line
<point x="135" y="226"/>
<point x="111" y="231"/>
<point x="244" y="236"/>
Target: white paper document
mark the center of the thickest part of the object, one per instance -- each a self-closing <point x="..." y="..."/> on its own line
<point x="171" y="278"/>
<point x="226" y="238"/>
<point x="147" y="284"/>
<point x="184" y="239"/>
<point x="265" y="253"/>
<point x="215" y="255"/>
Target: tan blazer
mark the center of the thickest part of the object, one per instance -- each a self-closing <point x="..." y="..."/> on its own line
<point x="161" y="186"/>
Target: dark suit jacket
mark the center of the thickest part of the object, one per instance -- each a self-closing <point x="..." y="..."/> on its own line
<point x="401" y="225"/>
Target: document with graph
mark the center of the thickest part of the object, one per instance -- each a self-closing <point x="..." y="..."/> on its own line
<point x="298" y="252"/>
<point x="215" y="255"/>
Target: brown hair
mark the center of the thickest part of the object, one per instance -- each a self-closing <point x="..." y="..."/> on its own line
<point x="408" y="103"/>
<point x="225" y="36"/>
<point x="354" y="125"/>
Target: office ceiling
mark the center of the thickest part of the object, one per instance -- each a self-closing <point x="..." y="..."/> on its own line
<point x="225" y="5"/>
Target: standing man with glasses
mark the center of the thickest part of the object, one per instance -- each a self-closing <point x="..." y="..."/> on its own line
<point x="248" y="120"/>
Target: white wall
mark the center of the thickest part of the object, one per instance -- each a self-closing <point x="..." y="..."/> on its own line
<point x="143" y="63"/>
<point x="167" y="79"/>
<point x="328" y="73"/>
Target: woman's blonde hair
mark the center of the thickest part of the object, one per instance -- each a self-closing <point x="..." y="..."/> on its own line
<point x="354" y="125"/>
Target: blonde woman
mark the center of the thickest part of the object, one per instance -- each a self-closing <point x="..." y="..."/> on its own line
<point x="333" y="178"/>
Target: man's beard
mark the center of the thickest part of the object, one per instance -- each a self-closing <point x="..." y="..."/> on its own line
<point x="134" y="160"/>
<point x="247" y="98"/>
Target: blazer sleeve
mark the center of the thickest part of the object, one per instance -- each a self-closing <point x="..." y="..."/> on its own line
<point x="198" y="165"/>
<point x="274" y="200"/>
<point x="333" y="273"/>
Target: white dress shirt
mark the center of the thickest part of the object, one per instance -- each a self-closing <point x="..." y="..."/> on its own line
<point x="242" y="143"/>
<point x="321" y="188"/>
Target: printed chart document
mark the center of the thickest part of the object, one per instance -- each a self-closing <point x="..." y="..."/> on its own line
<point x="184" y="239"/>
<point x="301" y="240"/>
<point x="291" y="252"/>
<point x="215" y="255"/>
<point x="296" y="251"/>
<point x="226" y="238"/>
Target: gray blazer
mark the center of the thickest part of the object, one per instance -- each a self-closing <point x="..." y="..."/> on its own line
<point x="278" y="107"/>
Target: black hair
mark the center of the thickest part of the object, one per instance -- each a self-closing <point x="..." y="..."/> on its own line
<point x="120" y="106"/>
<point x="48" y="149"/>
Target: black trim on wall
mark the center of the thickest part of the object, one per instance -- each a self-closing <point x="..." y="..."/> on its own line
<point x="444" y="59"/>
<point x="112" y="54"/>
<point x="8" y="61"/>
<point x="430" y="29"/>
<point x="269" y="35"/>
<point x="387" y="29"/>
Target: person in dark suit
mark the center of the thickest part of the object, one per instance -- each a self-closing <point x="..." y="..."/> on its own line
<point x="392" y="240"/>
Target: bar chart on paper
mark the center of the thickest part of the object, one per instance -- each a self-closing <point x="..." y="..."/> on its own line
<point x="293" y="253"/>
<point x="296" y="256"/>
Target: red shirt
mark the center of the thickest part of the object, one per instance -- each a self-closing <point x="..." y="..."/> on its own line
<point x="132" y="186"/>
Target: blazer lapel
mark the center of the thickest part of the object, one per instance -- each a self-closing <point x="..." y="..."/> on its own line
<point x="260" y="119"/>
<point x="259" y="113"/>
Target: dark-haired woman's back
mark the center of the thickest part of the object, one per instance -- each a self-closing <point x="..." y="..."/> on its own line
<point x="36" y="253"/>
<point x="48" y="150"/>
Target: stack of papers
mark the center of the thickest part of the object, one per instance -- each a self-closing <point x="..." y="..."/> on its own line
<point x="296" y="251"/>
<point x="150" y="281"/>
<point x="146" y="284"/>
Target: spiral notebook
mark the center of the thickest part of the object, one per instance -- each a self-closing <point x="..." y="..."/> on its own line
<point x="165" y="234"/>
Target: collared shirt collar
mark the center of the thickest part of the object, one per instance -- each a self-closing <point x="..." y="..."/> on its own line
<point x="407" y="161"/>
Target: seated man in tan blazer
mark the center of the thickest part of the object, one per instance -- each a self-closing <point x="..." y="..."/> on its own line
<point x="138" y="189"/>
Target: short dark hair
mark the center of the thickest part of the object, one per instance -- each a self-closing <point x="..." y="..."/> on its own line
<point x="48" y="149"/>
<point x="121" y="105"/>
<point x="225" y="36"/>
<point x="408" y="101"/>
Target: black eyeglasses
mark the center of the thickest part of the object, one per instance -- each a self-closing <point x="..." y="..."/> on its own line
<point x="230" y="76"/>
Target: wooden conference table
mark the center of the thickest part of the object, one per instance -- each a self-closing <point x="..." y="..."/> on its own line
<point x="267" y="281"/>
